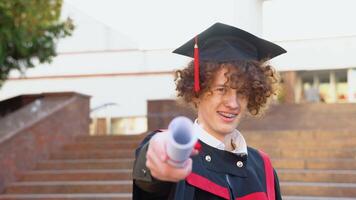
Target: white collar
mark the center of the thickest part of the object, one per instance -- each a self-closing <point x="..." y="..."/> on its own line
<point x="235" y="137"/>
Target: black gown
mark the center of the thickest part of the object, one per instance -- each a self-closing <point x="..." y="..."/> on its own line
<point x="216" y="175"/>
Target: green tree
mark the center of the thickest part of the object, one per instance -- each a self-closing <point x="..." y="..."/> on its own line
<point x="29" y="30"/>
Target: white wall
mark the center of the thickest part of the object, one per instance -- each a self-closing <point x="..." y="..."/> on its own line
<point x="129" y="92"/>
<point x="313" y="54"/>
<point x="248" y="15"/>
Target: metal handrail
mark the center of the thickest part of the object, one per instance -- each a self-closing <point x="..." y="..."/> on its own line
<point x="105" y="105"/>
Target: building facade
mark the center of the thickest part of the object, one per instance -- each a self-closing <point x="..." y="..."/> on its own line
<point x="121" y="76"/>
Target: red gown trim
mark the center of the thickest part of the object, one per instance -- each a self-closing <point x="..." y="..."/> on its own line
<point x="218" y="190"/>
<point x="269" y="176"/>
<point x="207" y="185"/>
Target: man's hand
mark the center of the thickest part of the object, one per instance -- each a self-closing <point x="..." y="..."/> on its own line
<point x="156" y="160"/>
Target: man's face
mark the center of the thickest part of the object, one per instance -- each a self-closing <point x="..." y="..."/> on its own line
<point x="220" y="111"/>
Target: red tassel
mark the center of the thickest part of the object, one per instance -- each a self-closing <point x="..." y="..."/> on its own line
<point x="196" y="66"/>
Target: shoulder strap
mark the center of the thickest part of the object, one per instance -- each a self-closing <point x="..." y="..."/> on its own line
<point x="269" y="176"/>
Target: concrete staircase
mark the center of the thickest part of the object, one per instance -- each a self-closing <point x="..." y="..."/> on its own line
<point x="311" y="165"/>
<point x="91" y="168"/>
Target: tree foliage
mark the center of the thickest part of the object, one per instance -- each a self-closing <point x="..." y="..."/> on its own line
<point x="29" y="30"/>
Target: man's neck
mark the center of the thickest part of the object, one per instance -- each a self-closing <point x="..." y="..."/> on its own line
<point x="212" y="133"/>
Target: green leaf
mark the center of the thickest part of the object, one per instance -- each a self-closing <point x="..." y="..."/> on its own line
<point x="29" y="30"/>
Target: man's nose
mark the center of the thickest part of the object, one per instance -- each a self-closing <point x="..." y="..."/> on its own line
<point x="231" y="100"/>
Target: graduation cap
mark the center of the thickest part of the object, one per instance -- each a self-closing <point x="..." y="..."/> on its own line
<point x="224" y="43"/>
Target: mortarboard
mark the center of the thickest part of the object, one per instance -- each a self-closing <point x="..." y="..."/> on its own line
<point x="224" y="43"/>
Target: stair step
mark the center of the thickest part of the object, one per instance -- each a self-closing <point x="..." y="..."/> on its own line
<point x="129" y="145"/>
<point x="301" y="135"/>
<point x="315" y="198"/>
<point x="118" y="196"/>
<point x="310" y="153"/>
<point x="341" y="164"/>
<point x="110" y="138"/>
<point x="48" y="187"/>
<point x="77" y="175"/>
<point x="122" y="196"/>
<point x="319" y="189"/>
<point x="93" y="154"/>
<point x="132" y="145"/>
<point x="310" y="175"/>
<point x="86" y="164"/>
<point x="341" y="142"/>
<point x="286" y="144"/>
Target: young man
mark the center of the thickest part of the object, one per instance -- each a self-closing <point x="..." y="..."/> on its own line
<point x="227" y="79"/>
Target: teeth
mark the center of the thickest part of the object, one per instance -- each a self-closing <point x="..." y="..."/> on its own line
<point x="228" y="115"/>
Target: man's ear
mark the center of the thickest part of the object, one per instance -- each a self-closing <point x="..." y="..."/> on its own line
<point x="196" y="102"/>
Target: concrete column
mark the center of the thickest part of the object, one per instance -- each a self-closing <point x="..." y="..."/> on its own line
<point x="351" y="82"/>
<point x="248" y="15"/>
<point x="316" y="81"/>
<point x="298" y="89"/>
<point x="95" y="126"/>
<point x="289" y="82"/>
<point x="108" y="125"/>
<point x="332" y="90"/>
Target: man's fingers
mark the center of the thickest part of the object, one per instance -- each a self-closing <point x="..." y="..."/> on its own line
<point x="194" y="152"/>
<point x="158" y="146"/>
<point x="166" y="172"/>
<point x="156" y="161"/>
<point x="182" y="173"/>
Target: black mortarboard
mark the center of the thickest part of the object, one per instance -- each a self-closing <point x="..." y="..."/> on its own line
<point x="223" y="43"/>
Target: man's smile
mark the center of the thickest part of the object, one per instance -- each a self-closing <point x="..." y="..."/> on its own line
<point x="228" y="115"/>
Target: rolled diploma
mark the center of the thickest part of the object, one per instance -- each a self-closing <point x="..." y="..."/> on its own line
<point x="181" y="141"/>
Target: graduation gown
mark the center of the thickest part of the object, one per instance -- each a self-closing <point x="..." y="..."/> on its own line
<point x="216" y="175"/>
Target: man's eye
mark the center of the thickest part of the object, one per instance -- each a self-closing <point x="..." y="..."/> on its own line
<point x="221" y="90"/>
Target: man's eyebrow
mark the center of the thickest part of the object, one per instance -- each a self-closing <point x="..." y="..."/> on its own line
<point x="219" y="85"/>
